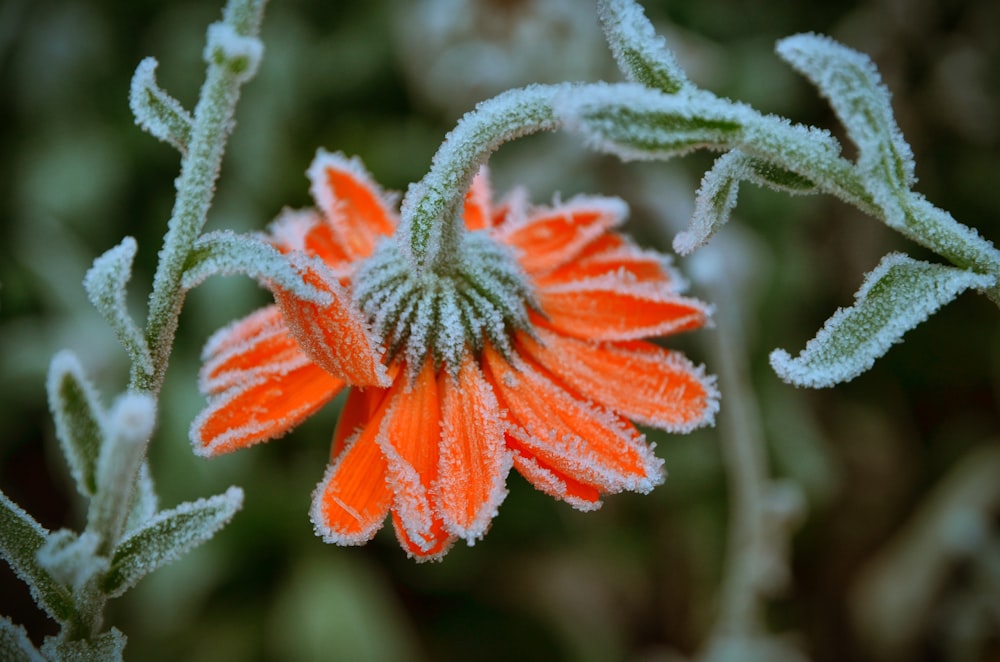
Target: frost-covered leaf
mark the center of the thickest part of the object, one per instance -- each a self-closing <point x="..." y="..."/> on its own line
<point x="15" y="645"/>
<point x="105" y="283"/>
<point x="157" y="112"/>
<point x="145" y="503"/>
<point x="896" y="296"/>
<point x="635" y="122"/>
<point x="106" y="647"/>
<point x="226" y="253"/>
<point x="168" y="536"/>
<point x="641" y="54"/>
<point x="717" y="194"/>
<point x="241" y="54"/>
<point x="79" y="419"/>
<point x="21" y="538"/>
<point x="71" y="558"/>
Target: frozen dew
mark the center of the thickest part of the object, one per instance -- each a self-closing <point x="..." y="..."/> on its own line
<point x="241" y="54"/>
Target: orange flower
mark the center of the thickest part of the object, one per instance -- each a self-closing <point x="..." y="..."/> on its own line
<point x="524" y="347"/>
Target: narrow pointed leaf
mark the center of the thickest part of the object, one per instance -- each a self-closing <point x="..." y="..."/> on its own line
<point x="226" y="253"/>
<point x="714" y="202"/>
<point x="15" y="645"/>
<point x="896" y="296"/>
<point x="641" y="54"/>
<point x="167" y="537"/>
<point x="79" y="420"/>
<point x="21" y="537"/>
<point x="157" y="112"/>
<point x="145" y="503"/>
<point x="105" y="283"/>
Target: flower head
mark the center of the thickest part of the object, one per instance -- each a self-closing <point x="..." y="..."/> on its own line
<point x="526" y="347"/>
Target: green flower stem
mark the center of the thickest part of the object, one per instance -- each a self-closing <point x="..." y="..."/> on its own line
<point x="213" y="120"/>
<point x="432" y="208"/>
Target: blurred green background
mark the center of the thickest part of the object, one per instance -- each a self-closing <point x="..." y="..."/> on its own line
<point x="900" y="468"/>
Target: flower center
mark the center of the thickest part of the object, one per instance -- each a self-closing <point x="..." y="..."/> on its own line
<point x="480" y="293"/>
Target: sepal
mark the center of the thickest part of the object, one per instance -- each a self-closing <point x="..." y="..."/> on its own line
<point x="80" y="421"/>
<point x="168" y="536"/>
<point x="896" y="296"/>
<point x="226" y="253"/>
<point x="105" y="283"/>
<point x="641" y="54"/>
<point x="158" y="113"/>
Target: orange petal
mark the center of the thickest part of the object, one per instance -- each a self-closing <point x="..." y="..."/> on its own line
<point x="474" y="464"/>
<point x="553" y="483"/>
<point x="573" y="437"/>
<point x="264" y="408"/>
<point x="612" y="307"/>
<point x="351" y="502"/>
<point x="353" y="203"/>
<point x="409" y="438"/>
<point x="549" y="238"/>
<point x="440" y="541"/>
<point x="618" y="258"/>
<point x="335" y="336"/>
<point x="477" y="213"/>
<point x="358" y="410"/>
<point x="638" y="380"/>
<point x="247" y="349"/>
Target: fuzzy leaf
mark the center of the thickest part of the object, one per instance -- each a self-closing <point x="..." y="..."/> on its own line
<point x="105" y="283"/>
<point x="157" y="112"/>
<point x="227" y="253"/>
<point x="641" y="54"/>
<point x="80" y="421"/>
<point x="168" y="536"/>
<point x="635" y="122"/>
<point x="15" y="645"/>
<point x="896" y="296"/>
<point x="107" y="647"/>
<point x="145" y="503"/>
<point x="21" y="538"/>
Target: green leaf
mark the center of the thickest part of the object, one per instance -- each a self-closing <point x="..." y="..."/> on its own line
<point x="896" y="296"/>
<point x="157" y="112"/>
<point x="15" y="645"/>
<point x="105" y="283"/>
<point x="227" y="253"/>
<point x="641" y="54"/>
<point x="107" y="647"/>
<point x="168" y="536"/>
<point x="80" y="422"/>
<point x="145" y="503"/>
<point x="714" y="202"/>
<point x="21" y="537"/>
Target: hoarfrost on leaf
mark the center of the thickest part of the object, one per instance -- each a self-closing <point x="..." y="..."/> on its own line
<point x="896" y="296"/>
<point x="105" y="283"/>
<point x="641" y="54"/>
<point x="158" y="113"/>
<point x="15" y="645"/>
<point x="79" y="419"/>
<point x="167" y="537"/>
<point x="239" y="53"/>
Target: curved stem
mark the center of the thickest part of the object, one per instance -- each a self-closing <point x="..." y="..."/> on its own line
<point x="431" y="208"/>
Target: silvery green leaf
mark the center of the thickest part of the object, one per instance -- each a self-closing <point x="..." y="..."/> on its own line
<point x="641" y="54"/>
<point x="105" y="283"/>
<point x="157" y="112"/>
<point x="896" y="296"/>
<point x="15" y="645"/>
<point x="106" y="647"/>
<point x="168" y="536"/>
<point x="79" y="419"/>
<point x="145" y="503"/>
<point x="21" y="538"/>
<point x="227" y="253"/>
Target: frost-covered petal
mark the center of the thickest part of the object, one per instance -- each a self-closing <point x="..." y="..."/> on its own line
<point x="638" y="380"/>
<point x="438" y="541"/>
<point x="477" y="212"/>
<point x="335" y="336"/>
<point x="265" y="408"/>
<point x="474" y="463"/>
<point x="358" y="410"/>
<point x="576" y="438"/>
<point x="352" y="501"/>
<point x="550" y="237"/>
<point x="613" y="307"/>
<point x="354" y="204"/>
<point x="613" y="255"/>
<point x="409" y="438"/>
<point x="247" y="349"/>
<point x="555" y="484"/>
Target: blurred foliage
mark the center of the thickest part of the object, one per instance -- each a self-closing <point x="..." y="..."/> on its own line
<point x="636" y="580"/>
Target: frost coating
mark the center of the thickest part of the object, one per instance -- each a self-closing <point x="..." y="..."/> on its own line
<point x="896" y="296"/>
<point x="641" y="54"/>
<point x="105" y="283"/>
<point x="158" y="113"/>
<point x="167" y="537"/>
<point x="241" y="54"/>
<point x="15" y="645"/>
<point x="80" y="422"/>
